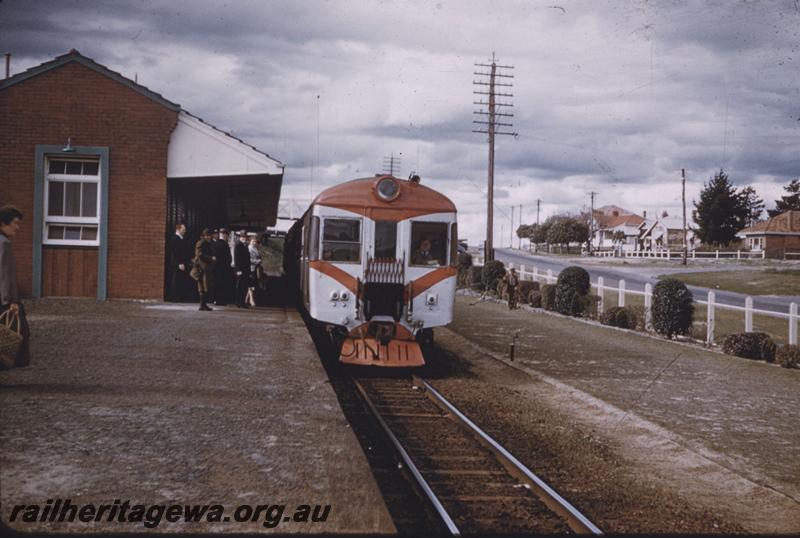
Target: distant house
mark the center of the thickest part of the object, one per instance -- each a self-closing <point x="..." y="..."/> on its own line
<point x="666" y="233"/>
<point x="775" y="236"/>
<point x="612" y="221"/>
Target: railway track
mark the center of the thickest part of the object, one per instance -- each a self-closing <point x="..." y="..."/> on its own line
<point x="473" y="483"/>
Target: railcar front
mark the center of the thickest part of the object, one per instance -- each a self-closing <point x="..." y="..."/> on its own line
<point x="378" y="268"/>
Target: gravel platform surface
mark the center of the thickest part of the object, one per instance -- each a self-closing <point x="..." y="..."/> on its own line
<point x="708" y="441"/>
<point x="162" y="404"/>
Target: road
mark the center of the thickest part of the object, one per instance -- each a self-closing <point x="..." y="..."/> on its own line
<point x="636" y="277"/>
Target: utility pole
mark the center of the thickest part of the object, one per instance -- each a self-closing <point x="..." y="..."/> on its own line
<point x="488" y="99"/>
<point x="511" y="235"/>
<point x="519" y="239"/>
<point x="391" y="164"/>
<point x="683" y="196"/>
<point x="538" y="204"/>
<point x="591" y="222"/>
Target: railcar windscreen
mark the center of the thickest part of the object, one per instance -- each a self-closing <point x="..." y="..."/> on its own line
<point x="341" y="240"/>
<point x="429" y="243"/>
<point x="385" y="239"/>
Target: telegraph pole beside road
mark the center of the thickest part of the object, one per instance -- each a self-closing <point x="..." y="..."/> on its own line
<point x="591" y="222"/>
<point x="489" y="80"/>
<point x="683" y="196"/>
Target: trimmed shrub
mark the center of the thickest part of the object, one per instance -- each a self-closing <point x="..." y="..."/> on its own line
<point x="590" y="303"/>
<point x="524" y="289"/>
<point x="576" y="278"/>
<point x="757" y="346"/>
<point x="548" y="292"/>
<point x="572" y="285"/>
<point x="619" y="316"/>
<point x="464" y="269"/>
<point x="535" y="298"/>
<point x="638" y="313"/>
<point x="476" y="277"/>
<point x="672" y="307"/>
<point x="788" y="356"/>
<point x="492" y="272"/>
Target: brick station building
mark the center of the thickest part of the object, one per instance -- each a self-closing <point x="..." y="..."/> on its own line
<point x="102" y="169"/>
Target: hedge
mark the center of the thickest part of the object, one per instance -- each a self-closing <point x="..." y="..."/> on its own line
<point x="619" y="316"/>
<point x="755" y="345"/>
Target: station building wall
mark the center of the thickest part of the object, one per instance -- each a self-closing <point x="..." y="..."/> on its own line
<point x="75" y="103"/>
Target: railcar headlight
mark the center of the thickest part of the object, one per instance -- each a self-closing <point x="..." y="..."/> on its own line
<point x="334" y="296"/>
<point x="388" y="189"/>
<point x="344" y="296"/>
<point x="432" y="299"/>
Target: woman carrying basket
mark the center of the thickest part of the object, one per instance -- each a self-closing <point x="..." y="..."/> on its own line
<point x="12" y="313"/>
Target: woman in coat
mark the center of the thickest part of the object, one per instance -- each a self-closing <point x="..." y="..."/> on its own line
<point x="10" y="218"/>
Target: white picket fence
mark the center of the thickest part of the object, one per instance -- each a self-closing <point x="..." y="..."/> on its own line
<point x="667" y="254"/>
<point x="533" y="273"/>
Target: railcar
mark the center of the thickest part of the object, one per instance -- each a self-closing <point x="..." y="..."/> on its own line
<point x="373" y="261"/>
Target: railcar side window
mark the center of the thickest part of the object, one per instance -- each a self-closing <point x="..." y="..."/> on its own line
<point x="429" y="243"/>
<point x="341" y="240"/>
<point x="385" y="239"/>
<point x="313" y="239"/>
<point x="454" y="244"/>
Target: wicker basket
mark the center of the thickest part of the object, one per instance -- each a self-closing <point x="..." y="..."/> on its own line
<point x="10" y="337"/>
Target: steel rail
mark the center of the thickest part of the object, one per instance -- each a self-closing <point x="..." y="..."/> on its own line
<point x="432" y="498"/>
<point x="577" y="521"/>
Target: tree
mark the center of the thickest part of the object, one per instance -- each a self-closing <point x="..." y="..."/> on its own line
<point x="559" y="231"/>
<point x="753" y="205"/>
<point x="618" y="237"/>
<point x="786" y="203"/>
<point x="579" y="230"/>
<point x="538" y="233"/>
<point x="720" y="213"/>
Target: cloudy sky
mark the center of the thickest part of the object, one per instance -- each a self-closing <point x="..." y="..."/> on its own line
<point x="612" y="97"/>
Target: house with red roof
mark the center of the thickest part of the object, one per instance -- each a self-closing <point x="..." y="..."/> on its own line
<point x="615" y="228"/>
<point x="776" y="236"/>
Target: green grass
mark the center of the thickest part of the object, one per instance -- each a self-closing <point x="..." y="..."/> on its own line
<point x="767" y="282"/>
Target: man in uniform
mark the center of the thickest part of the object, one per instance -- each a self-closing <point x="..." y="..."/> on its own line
<point x="203" y="271"/>
<point x="180" y="264"/>
<point x="223" y="272"/>
<point x="241" y="262"/>
<point x="423" y="256"/>
<point x="511" y="281"/>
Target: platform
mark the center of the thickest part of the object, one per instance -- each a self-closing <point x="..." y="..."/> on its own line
<point x="159" y="404"/>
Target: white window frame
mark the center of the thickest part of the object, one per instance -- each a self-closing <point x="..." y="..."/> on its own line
<point x="360" y="242"/>
<point x="60" y="220"/>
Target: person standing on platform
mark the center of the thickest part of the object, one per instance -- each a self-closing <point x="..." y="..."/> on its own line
<point x="256" y="271"/>
<point x="10" y="218"/>
<point x="511" y="281"/>
<point x="180" y="265"/>
<point x="223" y="270"/>
<point x="241" y="262"/>
<point x="203" y="270"/>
